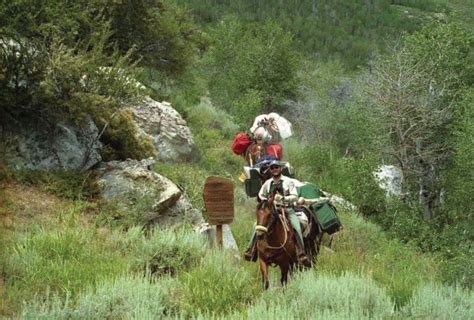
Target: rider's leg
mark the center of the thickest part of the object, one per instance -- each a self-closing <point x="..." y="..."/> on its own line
<point x="295" y="222"/>
<point x="251" y="252"/>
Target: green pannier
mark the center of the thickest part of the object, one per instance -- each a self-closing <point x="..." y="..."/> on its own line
<point x="324" y="213"/>
<point x="252" y="184"/>
<point x="309" y="191"/>
<point x="326" y="216"/>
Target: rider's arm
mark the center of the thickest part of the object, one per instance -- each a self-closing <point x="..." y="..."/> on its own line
<point x="264" y="190"/>
<point x="292" y="195"/>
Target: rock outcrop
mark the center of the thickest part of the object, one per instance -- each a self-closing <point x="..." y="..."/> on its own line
<point x="167" y="129"/>
<point x="36" y="145"/>
<point x="119" y="180"/>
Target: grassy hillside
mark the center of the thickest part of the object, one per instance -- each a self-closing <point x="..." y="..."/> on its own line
<point x="67" y="255"/>
<point x="57" y="263"/>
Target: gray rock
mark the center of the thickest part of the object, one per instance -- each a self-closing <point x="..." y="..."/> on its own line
<point x="228" y="240"/>
<point x="389" y="178"/>
<point x="186" y="212"/>
<point x="167" y="129"/>
<point x="39" y="146"/>
<point x="119" y="180"/>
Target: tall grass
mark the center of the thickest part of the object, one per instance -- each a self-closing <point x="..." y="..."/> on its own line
<point x="164" y="251"/>
<point x="127" y="297"/>
<point x="431" y="301"/>
<point x="59" y="261"/>
<point x="312" y="296"/>
<point x="363" y="247"/>
<point x="218" y="285"/>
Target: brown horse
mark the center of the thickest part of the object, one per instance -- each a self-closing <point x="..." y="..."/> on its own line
<point x="275" y="240"/>
<point x="276" y="243"/>
<point x="254" y="152"/>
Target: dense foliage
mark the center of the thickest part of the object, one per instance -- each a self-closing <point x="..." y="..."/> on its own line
<point x="251" y="68"/>
<point x="68" y="59"/>
<point x="348" y="30"/>
<point x="364" y="83"/>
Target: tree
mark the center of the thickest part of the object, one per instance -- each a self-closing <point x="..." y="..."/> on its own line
<point x="251" y="66"/>
<point x="415" y="90"/>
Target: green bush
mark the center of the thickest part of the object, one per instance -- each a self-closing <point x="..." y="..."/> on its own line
<point x="122" y="140"/>
<point x="74" y="185"/>
<point x="218" y="285"/>
<point x="135" y="208"/>
<point x="363" y="247"/>
<point x="311" y="296"/>
<point x="59" y="261"/>
<point x="431" y="301"/>
<point x="164" y="251"/>
<point x="127" y="297"/>
<point x="251" y="65"/>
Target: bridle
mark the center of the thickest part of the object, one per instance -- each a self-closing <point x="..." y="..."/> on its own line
<point x="274" y="215"/>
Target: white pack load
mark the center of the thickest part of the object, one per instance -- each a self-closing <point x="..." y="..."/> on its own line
<point x="276" y="127"/>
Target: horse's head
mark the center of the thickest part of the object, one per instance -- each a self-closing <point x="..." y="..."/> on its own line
<point x="264" y="217"/>
<point x="255" y="151"/>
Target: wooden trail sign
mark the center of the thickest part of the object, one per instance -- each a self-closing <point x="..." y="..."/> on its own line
<point x="219" y="202"/>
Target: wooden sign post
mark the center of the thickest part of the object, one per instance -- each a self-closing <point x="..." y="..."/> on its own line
<point x="219" y="202"/>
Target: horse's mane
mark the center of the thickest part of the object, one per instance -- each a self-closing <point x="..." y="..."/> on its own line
<point x="263" y="204"/>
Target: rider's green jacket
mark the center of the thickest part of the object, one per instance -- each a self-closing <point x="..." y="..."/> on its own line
<point x="289" y="189"/>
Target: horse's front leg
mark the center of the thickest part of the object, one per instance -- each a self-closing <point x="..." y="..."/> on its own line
<point x="284" y="273"/>
<point x="264" y="271"/>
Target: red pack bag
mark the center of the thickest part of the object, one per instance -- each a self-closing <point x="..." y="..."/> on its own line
<point x="275" y="149"/>
<point x="240" y="143"/>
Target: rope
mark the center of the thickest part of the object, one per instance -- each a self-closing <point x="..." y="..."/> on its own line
<point x="285" y="226"/>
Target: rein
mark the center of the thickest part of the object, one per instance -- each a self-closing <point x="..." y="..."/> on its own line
<point x="284" y="222"/>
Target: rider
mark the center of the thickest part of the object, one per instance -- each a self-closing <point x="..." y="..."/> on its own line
<point x="288" y="197"/>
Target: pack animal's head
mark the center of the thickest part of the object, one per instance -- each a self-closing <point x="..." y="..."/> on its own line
<point x="264" y="217"/>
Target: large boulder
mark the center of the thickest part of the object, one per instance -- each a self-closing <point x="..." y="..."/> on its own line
<point x="124" y="181"/>
<point x="33" y="144"/>
<point x="167" y="129"/>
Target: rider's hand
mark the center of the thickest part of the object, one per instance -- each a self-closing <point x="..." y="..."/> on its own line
<point x="279" y="197"/>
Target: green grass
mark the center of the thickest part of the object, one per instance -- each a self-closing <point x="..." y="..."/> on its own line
<point x="74" y="185"/>
<point x="363" y="247"/>
<point x="126" y="297"/>
<point x="61" y="261"/>
<point x="432" y="301"/>
<point x="218" y="285"/>
<point x="164" y="251"/>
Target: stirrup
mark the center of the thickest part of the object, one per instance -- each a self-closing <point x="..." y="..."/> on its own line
<point x="251" y="253"/>
<point x="304" y="260"/>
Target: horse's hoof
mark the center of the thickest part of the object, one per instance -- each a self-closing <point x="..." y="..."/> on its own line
<point x="303" y="260"/>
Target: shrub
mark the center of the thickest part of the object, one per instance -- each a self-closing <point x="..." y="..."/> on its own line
<point x="218" y="285"/>
<point x="164" y="251"/>
<point x="363" y="247"/>
<point x="134" y="208"/>
<point x="251" y="64"/>
<point x="431" y="301"/>
<point x="74" y="185"/>
<point x="122" y="140"/>
<point x="60" y="261"/>
<point x="127" y="297"/>
<point x="311" y="296"/>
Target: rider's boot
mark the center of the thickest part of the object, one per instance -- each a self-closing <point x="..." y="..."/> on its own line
<point x="302" y="257"/>
<point x="251" y="252"/>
